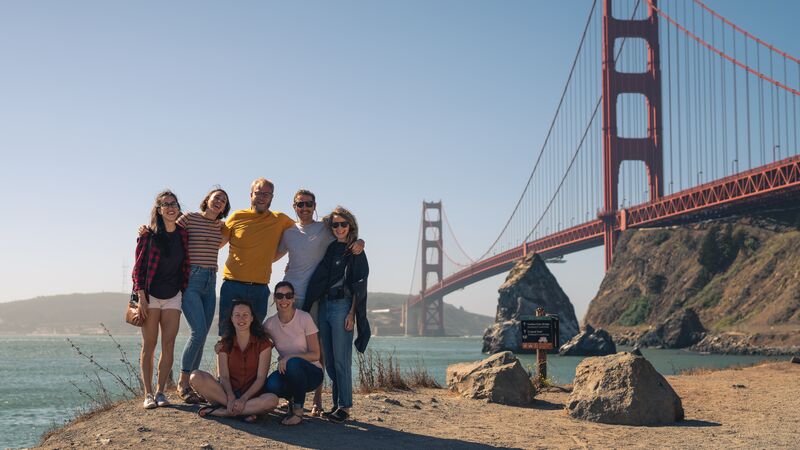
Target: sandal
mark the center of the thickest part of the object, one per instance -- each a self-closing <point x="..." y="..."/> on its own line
<point x="317" y="411"/>
<point x="291" y="416"/>
<point x="207" y="411"/>
<point x="189" y="396"/>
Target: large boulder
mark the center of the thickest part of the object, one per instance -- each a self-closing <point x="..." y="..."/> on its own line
<point x="681" y="329"/>
<point x="528" y="286"/>
<point x="499" y="378"/>
<point x="622" y="389"/>
<point x="589" y="342"/>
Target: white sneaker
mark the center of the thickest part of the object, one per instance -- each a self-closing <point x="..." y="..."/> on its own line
<point x="161" y="399"/>
<point x="149" y="402"/>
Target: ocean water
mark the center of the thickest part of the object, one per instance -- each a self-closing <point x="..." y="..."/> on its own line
<point x="41" y="376"/>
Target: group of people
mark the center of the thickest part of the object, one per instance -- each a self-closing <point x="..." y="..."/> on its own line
<point x="320" y="303"/>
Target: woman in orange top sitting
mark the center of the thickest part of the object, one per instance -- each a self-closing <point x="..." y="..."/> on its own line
<point x="242" y="363"/>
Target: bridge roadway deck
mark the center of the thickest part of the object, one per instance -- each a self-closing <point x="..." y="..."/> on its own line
<point x="747" y="190"/>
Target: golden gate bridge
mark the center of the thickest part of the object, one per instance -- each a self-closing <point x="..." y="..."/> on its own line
<point x="670" y="114"/>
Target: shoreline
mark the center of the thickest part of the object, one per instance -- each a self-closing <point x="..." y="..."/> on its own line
<point x="739" y="407"/>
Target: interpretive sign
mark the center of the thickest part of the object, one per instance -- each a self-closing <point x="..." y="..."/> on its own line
<point x="539" y="333"/>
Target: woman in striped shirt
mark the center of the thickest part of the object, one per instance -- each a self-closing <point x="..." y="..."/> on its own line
<point x="200" y="300"/>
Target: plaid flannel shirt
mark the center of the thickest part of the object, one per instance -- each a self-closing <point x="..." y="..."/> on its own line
<point x="142" y="280"/>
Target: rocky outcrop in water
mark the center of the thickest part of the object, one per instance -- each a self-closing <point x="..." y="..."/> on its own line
<point x="680" y="330"/>
<point x="528" y="286"/>
<point x="622" y="389"/>
<point x="589" y="342"/>
<point x="737" y="343"/>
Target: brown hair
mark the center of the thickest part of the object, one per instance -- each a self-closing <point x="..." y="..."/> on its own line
<point x="344" y="213"/>
<point x="225" y="211"/>
<point x="305" y="192"/>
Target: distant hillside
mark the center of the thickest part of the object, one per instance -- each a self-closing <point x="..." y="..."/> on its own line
<point x="739" y="275"/>
<point x="83" y="313"/>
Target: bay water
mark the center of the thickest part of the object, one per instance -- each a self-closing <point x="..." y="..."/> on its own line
<point x="41" y="376"/>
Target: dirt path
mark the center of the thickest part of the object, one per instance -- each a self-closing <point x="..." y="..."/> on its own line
<point x="756" y="407"/>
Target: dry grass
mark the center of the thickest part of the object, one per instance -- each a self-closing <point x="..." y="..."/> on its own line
<point x="377" y="372"/>
<point x="100" y="397"/>
<point x="692" y="371"/>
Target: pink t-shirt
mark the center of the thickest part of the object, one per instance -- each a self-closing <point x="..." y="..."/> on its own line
<point x="290" y="338"/>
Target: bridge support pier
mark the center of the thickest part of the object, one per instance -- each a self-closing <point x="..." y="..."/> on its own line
<point x="617" y="149"/>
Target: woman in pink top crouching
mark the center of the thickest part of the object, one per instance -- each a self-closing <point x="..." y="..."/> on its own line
<point x="295" y="336"/>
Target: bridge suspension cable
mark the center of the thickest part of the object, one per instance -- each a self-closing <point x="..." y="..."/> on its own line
<point x="549" y="131"/>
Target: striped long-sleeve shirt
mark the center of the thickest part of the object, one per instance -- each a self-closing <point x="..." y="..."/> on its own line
<point x="204" y="238"/>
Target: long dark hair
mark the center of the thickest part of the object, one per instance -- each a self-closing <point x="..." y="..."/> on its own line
<point x="229" y="333"/>
<point x="157" y="227"/>
<point x="225" y="211"/>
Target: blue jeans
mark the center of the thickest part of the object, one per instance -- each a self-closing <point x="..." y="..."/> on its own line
<point x="199" y="303"/>
<point x="301" y="376"/>
<point x="337" y="349"/>
<point x="256" y="294"/>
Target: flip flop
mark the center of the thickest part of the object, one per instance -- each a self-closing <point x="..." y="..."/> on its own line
<point x="207" y="410"/>
<point x="316" y="411"/>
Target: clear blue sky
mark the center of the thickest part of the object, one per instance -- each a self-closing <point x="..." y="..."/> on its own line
<point x="374" y="105"/>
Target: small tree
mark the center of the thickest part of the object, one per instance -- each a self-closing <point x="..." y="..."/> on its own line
<point x="709" y="254"/>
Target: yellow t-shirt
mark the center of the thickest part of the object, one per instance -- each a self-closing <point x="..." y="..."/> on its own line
<point x="254" y="239"/>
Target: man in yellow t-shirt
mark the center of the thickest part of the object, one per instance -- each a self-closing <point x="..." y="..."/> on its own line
<point x="253" y="236"/>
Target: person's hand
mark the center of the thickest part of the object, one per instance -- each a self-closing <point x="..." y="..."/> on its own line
<point x="282" y="365"/>
<point x="349" y="321"/>
<point x="142" y="230"/>
<point x="357" y="247"/>
<point x="231" y="402"/>
<point x="143" y="306"/>
<point x="238" y="406"/>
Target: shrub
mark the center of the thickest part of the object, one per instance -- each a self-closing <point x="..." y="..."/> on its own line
<point x="636" y="313"/>
<point x="660" y="237"/>
<point x="656" y="283"/>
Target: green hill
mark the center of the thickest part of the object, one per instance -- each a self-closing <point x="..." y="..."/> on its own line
<point x="83" y="313"/>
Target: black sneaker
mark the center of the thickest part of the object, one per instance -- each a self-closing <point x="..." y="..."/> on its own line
<point x="328" y="414"/>
<point x="339" y="416"/>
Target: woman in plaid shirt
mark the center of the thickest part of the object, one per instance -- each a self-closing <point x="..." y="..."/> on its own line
<point x="160" y="276"/>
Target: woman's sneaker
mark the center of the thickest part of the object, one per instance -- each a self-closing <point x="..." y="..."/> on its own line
<point x="149" y="402"/>
<point x="161" y="399"/>
<point x="339" y="416"/>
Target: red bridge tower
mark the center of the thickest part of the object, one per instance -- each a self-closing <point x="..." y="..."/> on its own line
<point x="617" y="149"/>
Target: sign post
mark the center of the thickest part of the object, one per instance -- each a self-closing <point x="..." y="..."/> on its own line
<point x="540" y="333"/>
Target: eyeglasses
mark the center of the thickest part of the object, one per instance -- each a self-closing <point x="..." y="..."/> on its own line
<point x="262" y="194"/>
<point x="304" y="204"/>
<point x="281" y="295"/>
<point x="339" y="224"/>
<point x="170" y="205"/>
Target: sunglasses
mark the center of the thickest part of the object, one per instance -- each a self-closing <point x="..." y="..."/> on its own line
<point x="304" y="204"/>
<point x="339" y="224"/>
<point x="170" y="205"/>
<point x="281" y="295"/>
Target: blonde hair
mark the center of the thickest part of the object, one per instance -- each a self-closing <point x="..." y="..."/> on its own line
<point x="260" y="181"/>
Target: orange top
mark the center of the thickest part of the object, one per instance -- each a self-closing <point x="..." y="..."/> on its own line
<point x="243" y="365"/>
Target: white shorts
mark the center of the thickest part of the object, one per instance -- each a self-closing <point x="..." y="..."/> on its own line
<point x="170" y="303"/>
